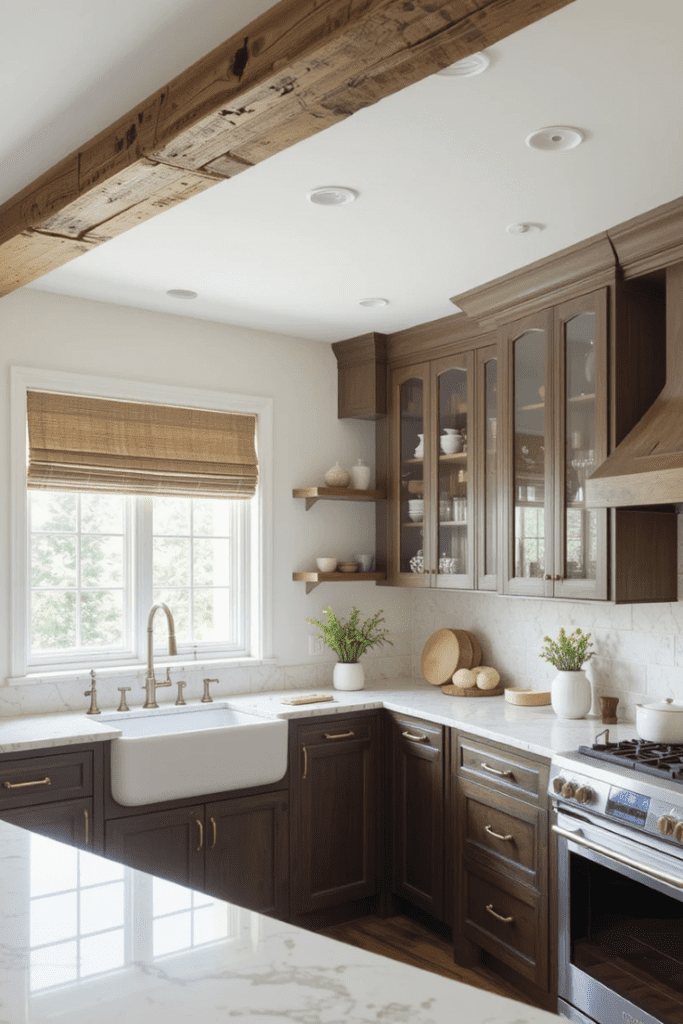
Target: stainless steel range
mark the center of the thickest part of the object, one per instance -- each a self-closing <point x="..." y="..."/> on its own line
<point x="619" y="824"/>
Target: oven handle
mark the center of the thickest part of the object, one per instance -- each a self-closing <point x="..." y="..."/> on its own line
<point x="660" y="876"/>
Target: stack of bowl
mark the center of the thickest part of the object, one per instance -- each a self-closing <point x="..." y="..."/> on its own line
<point x="416" y="508"/>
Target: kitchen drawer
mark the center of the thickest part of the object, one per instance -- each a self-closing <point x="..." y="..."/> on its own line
<point x="508" y="921"/>
<point x="502" y="833"/>
<point x="41" y="780"/>
<point x="333" y="733"/>
<point x="416" y="731"/>
<point x="502" y="769"/>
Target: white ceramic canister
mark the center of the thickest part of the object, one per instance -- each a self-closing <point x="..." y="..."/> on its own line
<point x="360" y="476"/>
<point x="660" y="722"/>
<point x="570" y="694"/>
<point x="348" y="675"/>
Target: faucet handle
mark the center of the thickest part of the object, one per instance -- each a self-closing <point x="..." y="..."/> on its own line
<point x="168" y="679"/>
<point x="207" y="698"/>
<point x="92" y="693"/>
<point x="181" y="686"/>
<point x="123" y="690"/>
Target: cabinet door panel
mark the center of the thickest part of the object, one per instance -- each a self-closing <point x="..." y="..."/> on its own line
<point x="580" y="558"/>
<point x="335" y="828"/>
<point x="169" y="844"/>
<point x="487" y="468"/>
<point x="410" y="497"/>
<point x="247" y="860"/>
<point x="418" y="812"/>
<point x="68" y="822"/>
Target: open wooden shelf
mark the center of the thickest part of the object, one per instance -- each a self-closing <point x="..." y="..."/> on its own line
<point x="312" y="579"/>
<point x="313" y="494"/>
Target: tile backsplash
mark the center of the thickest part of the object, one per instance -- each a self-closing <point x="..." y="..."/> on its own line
<point x="638" y="648"/>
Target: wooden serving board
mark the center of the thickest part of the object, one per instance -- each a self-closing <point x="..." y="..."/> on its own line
<point x="445" y="652"/>
<point x="471" y="691"/>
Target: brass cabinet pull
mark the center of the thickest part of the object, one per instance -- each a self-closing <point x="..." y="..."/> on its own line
<point x="499" y="917"/>
<point x="200" y="826"/>
<point x="495" y="771"/>
<point x="558" y="578"/>
<point x="411" y="736"/>
<point x="547" y="576"/>
<point x="87" y="824"/>
<point x="20" y="785"/>
<point x="305" y="762"/>
<point x="339" y="735"/>
<point x="497" y="835"/>
<point x="215" y="833"/>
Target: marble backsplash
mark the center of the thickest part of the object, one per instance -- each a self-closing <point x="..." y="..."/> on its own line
<point x="42" y="696"/>
<point x="638" y="648"/>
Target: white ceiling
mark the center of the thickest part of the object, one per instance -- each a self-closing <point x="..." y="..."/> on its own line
<point x="441" y="168"/>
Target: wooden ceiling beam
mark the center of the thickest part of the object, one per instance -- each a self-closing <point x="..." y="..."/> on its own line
<point x="299" y="68"/>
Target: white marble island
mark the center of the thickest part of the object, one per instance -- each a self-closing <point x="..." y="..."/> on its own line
<point x="85" y="939"/>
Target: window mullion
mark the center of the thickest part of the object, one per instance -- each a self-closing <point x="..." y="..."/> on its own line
<point x="143" y="569"/>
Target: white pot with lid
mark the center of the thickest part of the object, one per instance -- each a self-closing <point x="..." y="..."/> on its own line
<point x="661" y="722"/>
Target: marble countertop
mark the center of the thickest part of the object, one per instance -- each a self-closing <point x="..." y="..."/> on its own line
<point x="537" y="730"/>
<point x="144" y="951"/>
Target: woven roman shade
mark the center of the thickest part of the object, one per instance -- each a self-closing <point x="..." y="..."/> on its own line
<point x="93" y="444"/>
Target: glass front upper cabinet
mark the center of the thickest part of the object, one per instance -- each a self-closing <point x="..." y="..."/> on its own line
<point x="412" y="513"/>
<point x="454" y="553"/>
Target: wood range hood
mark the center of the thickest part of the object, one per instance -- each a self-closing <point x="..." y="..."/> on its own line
<point x="646" y="467"/>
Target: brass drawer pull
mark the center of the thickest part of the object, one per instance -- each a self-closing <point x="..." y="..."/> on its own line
<point x="200" y="826"/>
<point x="497" y="835"/>
<point x="305" y="762"/>
<point x="339" y="735"/>
<point x="20" y="785"/>
<point x="499" y="917"/>
<point x="496" y="771"/>
<point x="215" y="833"/>
<point x="411" y="736"/>
<point x="87" y="824"/>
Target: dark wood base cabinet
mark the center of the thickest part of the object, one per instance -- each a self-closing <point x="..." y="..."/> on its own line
<point x="335" y="770"/>
<point x="501" y="828"/>
<point x="417" y="806"/>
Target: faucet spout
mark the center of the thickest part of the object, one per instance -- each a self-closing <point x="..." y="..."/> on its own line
<point x="150" y="681"/>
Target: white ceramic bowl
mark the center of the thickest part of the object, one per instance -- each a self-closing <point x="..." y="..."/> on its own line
<point x="415" y="516"/>
<point x="326" y="564"/>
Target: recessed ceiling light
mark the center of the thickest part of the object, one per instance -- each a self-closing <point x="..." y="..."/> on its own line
<point x="331" y="195"/>
<point x="559" y="137"/>
<point x="181" y="293"/>
<point x="374" y="303"/>
<point x="467" y="67"/>
<point x="524" y="229"/>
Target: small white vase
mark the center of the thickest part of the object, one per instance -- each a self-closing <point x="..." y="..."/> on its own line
<point x="348" y="675"/>
<point x="360" y="476"/>
<point x="570" y="694"/>
<point x="337" y="477"/>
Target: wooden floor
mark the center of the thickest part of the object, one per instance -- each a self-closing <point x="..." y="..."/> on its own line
<point x="403" y="939"/>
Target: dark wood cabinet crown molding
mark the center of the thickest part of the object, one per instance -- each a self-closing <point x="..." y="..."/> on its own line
<point x="580" y="269"/>
<point x="438" y="338"/>
<point x="652" y="241"/>
<point x="300" y="67"/>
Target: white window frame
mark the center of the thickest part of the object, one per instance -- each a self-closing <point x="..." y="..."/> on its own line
<point x="260" y="596"/>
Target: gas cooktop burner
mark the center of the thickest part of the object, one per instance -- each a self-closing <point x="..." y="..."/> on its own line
<point x="664" y="760"/>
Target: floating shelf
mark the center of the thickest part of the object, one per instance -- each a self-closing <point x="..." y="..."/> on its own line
<point x="313" y="494"/>
<point x="312" y="579"/>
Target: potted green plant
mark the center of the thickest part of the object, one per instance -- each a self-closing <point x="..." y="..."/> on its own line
<point x="349" y="640"/>
<point x="570" y="693"/>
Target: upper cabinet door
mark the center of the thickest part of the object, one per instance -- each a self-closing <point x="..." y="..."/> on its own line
<point x="487" y="467"/>
<point x="410" y="499"/>
<point x="580" y="557"/>
<point x="528" y="513"/>
<point x="452" y="553"/>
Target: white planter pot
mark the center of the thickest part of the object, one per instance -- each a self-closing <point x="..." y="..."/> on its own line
<point x="570" y="694"/>
<point x="348" y="675"/>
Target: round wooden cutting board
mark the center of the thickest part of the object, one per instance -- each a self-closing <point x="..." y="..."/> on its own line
<point x="446" y="651"/>
<point x="470" y="691"/>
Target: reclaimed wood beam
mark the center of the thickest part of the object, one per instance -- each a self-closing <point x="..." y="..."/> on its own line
<point x="299" y="68"/>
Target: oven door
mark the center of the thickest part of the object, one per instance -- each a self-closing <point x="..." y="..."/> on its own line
<point x="620" y="909"/>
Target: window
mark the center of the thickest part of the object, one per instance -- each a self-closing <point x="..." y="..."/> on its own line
<point x="88" y="565"/>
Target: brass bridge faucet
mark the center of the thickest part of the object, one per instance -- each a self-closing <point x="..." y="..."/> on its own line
<point x="151" y="684"/>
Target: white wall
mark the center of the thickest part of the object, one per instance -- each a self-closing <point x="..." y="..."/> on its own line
<point x="56" y="332"/>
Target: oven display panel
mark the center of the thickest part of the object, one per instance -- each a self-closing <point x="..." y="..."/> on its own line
<point x="630" y="807"/>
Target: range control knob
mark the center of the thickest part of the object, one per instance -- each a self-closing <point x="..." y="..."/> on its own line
<point x="569" y="790"/>
<point x="666" y="824"/>
<point x="678" y="831"/>
<point x="584" y="794"/>
<point x="558" y="783"/>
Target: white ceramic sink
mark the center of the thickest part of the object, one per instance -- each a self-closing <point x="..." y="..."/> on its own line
<point x="170" y="753"/>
